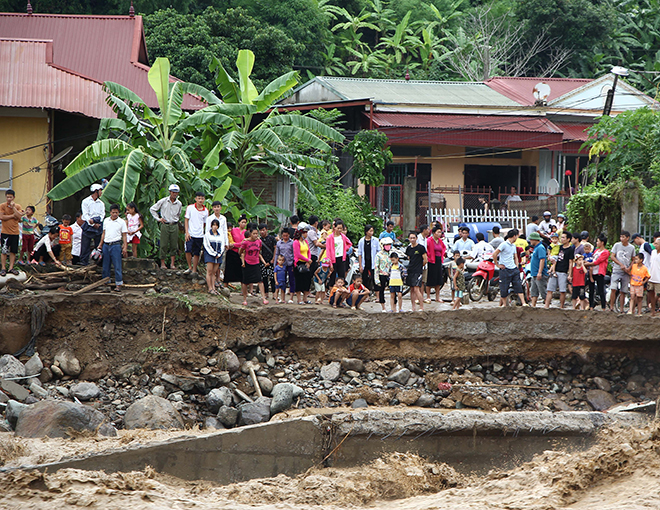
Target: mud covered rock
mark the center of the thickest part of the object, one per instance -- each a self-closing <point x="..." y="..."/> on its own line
<point x="227" y="360"/>
<point x="53" y="418"/>
<point x="152" y="413"/>
<point x="600" y="400"/>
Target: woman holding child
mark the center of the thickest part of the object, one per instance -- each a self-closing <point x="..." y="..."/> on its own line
<point x="233" y="268"/>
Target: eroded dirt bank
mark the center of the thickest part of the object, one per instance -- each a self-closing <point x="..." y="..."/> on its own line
<point x="118" y="330"/>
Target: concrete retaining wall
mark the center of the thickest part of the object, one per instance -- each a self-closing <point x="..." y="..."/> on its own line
<point x="470" y="441"/>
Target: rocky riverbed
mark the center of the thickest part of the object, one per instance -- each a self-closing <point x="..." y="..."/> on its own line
<point x="220" y="392"/>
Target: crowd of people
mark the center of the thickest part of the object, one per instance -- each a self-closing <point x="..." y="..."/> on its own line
<point x="308" y="262"/>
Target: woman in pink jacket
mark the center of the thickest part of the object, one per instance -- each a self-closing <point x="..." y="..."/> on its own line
<point x="336" y="247"/>
<point x="599" y="265"/>
<point x="435" y="250"/>
<point x="302" y="260"/>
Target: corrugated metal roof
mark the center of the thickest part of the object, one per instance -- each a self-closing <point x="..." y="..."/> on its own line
<point x="520" y="89"/>
<point x="575" y="132"/>
<point x="465" y="122"/>
<point x="104" y="48"/>
<point x="29" y="80"/>
<point x="416" y="92"/>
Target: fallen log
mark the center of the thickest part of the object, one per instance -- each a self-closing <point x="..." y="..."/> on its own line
<point x="92" y="286"/>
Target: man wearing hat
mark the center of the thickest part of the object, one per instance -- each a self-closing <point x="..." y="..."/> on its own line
<point x="544" y="226"/>
<point x="167" y="212"/>
<point x="538" y="268"/>
<point x="93" y="213"/>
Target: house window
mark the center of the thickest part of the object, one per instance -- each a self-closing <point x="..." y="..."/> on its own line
<point x="6" y="174"/>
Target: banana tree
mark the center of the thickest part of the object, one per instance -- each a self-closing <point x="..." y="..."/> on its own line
<point x="245" y="134"/>
<point x="140" y="152"/>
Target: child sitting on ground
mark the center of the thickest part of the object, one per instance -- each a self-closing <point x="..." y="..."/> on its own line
<point x="396" y="283"/>
<point x="338" y="293"/>
<point x="578" y="283"/>
<point x="358" y="293"/>
<point x="459" y="282"/>
<point x="280" y="279"/>
<point x="639" y="275"/>
<point x="320" y="277"/>
<point x="66" y="240"/>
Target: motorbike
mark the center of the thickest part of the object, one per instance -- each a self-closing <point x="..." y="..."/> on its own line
<point x="484" y="281"/>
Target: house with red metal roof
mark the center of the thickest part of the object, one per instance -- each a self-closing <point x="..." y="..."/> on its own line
<point x="52" y="70"/>
<point x="484" y="137"/>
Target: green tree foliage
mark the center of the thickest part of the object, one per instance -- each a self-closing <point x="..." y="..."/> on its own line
<point x="627" y="145"/>
<point x="191" y="41"/>
<point x="371" y="155"/>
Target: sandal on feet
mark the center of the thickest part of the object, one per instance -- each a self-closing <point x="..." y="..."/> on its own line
<point x="244" y="303"/>
<point x="265" y="301"/>
<point x="3" y="273"/>
<point x="117" y="289"/>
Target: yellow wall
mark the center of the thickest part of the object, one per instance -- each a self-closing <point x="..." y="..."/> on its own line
<point x="19" y="132"/>
<point x="447" y="164"/>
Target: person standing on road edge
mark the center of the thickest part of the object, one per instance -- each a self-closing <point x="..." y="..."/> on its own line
<point x="114" y="244"/>
<point x="93" y="213"/>
<point x="508" y="264"/>
<point x="167" y="212"/>
<point x="194" y="224"/>
<point x="538" y="268"/>
<point x="562" y="274"/>
<point x="10" y="215"/>
<point x="417" y="260"/>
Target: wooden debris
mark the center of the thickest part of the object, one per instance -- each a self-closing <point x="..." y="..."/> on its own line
<point x="92" y="286"/>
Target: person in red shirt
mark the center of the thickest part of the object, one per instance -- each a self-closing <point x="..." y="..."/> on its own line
<point x="358" y="293"/>
<point x="66" y="240"/>
<point x="579" y="281"/>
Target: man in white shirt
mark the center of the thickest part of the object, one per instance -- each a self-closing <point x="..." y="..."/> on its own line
<point x="114" y="244"/>
<point x="195" y="223"/>
<point x="464" y="245"/>
<point x="166" y="212"/>
<point x="93" y="212"/>
<point x="532" y="227"/>
<point x="481" y="248"/>
<point x="76" y="238"/>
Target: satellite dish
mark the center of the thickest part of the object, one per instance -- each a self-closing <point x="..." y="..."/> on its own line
<point x="553" y="187"/>
<point x="541" y="92"/>
<point x="60" y="155"/>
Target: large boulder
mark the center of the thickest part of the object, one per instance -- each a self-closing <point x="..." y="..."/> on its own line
<point x="11" y="367"/>
<point x="85" y="391"/>
<point x="600" y="400"/>
<point x="68" y="363"/>
<point x="152" y="413"/>
<point x="283" y="395"/>
<point x="254" y="412"/>
<point x="54" y="418"/>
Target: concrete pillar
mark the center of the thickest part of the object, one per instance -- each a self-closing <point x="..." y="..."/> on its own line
<point x="409" y="204"/>
<point x="630" y="208"/>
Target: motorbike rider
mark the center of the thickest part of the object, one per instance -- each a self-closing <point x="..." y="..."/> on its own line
<point x="481" y="248"/>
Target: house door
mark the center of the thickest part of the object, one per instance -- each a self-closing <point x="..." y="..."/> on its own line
<point x="500" y="177"/>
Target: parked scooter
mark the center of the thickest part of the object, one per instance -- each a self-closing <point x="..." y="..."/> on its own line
<point x="484" y="281"/>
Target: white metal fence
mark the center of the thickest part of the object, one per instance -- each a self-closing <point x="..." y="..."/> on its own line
<point x="515" y="219"/>
<point x="649" y="223"/>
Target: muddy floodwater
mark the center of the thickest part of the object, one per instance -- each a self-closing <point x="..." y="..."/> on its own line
<point x="622" y="470"/>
